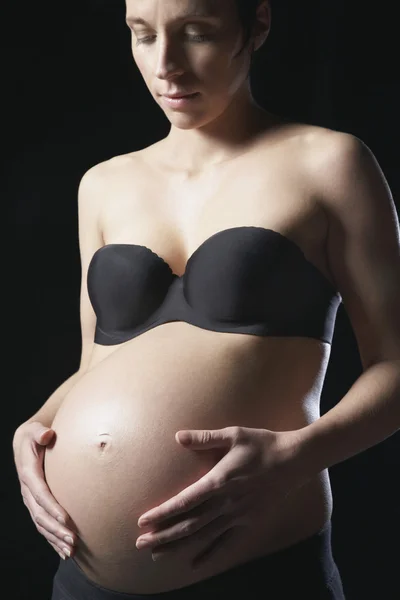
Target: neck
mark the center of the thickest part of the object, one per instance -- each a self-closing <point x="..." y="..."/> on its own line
<point x="195" y="150"/>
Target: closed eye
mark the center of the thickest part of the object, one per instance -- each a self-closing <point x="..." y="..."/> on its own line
<point x="194" y="38"/>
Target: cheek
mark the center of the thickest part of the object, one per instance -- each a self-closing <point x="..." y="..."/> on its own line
<point x="224" y="74"/>
<point x="143" y="67"/>
<point x="219" y="73"/>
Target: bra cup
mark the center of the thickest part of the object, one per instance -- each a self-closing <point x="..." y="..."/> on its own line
<point x="243" y="279"/>
<point x="126" y="285"/>
<point x="234" y="279"/>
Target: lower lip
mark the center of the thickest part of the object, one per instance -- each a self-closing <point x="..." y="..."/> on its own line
<point x="181" y="102"/>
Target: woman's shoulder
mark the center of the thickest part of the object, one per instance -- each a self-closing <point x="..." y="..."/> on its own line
<point x="321" y="152"/>
<point x="116" y="164"/>
<point x="136" y="159"/>
<point x="106" y="179"/>
<point x="341" y="171"/>
<point x="334" y="155"/>
<point x="315" y="139"/>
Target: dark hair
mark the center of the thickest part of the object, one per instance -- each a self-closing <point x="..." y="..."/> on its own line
<point x="247" y="10"/>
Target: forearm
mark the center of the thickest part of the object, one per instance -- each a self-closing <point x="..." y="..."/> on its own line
<point x="48" y="410"/>
<point x="365" y="416"/>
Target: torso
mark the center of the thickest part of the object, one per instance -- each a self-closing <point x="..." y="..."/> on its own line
<point x="142" y="391"/>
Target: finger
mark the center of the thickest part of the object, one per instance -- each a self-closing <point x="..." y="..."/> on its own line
<point x="61" y="555"/>
<point x="47" y="522"/>
<point x="32" y="475"/>
<point x="189" y="498"/>
<point x="60" y="547"/>
<point x="33" y="479"/>
<point x="41" y="434"/>
<point x="211" y="531"/>
<point x="52" y="539"/>
<point x="209" y="511"/>
<point x="204" y="438"/>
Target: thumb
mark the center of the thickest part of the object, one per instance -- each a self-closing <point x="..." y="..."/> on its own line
<point x="205" y="438"/>
<point x="42" y="435"/>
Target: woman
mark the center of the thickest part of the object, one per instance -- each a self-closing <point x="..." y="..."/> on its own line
<point x="213" y="264"/>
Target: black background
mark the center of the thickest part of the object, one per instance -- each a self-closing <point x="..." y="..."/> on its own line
<point x="72" y="98"/>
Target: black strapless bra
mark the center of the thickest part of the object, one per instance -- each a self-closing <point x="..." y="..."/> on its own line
<point x="244" y="279"/>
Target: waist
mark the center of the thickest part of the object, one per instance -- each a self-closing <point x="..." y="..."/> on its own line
<point x="177" y="355"/>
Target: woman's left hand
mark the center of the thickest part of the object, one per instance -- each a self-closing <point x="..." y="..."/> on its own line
<point x="260" y="468"/>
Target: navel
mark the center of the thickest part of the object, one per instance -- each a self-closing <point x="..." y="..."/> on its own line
<point x="104" y="440"/>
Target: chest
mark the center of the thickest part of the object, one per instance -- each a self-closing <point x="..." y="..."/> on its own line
<point x="175" y="216"/>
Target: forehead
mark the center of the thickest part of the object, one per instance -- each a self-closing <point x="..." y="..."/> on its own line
<point x="172" y="9"/>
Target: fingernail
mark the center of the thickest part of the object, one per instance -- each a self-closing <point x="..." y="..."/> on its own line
<point x="143" y="522"/>
<point x="67" y="552"/>
<point x="61" y="520"/>
<point x="69" y="540"/>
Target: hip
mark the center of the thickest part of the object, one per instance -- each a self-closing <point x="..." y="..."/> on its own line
<point x="306" y="568"/>
<point x="121" y="567"/>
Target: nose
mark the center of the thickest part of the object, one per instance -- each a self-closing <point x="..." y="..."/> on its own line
<point x="169" y="60"/>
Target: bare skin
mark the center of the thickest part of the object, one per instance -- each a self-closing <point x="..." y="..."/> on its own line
<point x="225" y="163"/>
<point x="157" y="382"/>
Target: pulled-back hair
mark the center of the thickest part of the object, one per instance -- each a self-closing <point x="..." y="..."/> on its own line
<point x="247" y="10"/>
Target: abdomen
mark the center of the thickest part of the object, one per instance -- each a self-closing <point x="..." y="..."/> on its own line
<point x="115" y="454"/>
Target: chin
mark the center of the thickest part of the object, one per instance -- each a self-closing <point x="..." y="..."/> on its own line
<point x="187" y="120"/>
<point x="185" y="126"/>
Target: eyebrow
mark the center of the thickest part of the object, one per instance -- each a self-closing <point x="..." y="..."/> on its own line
<point x="195" y="15"/>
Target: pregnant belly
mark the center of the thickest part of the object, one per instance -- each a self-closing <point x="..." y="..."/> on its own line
<point x="115" y="454"/>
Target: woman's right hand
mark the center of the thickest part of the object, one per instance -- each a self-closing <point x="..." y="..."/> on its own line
<point x="29" y="444"/>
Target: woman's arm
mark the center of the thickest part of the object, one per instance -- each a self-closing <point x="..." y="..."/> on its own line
<point x="31" y="437"/>
<point x="363" y="251"/>
<point x="90" y="239"/>
<point x="46" y="413"/>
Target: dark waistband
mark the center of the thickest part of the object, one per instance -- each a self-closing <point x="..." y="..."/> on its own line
<point x="291" y="562"/>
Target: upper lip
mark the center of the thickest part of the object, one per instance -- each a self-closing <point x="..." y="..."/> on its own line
<point x="178" y="94"/>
